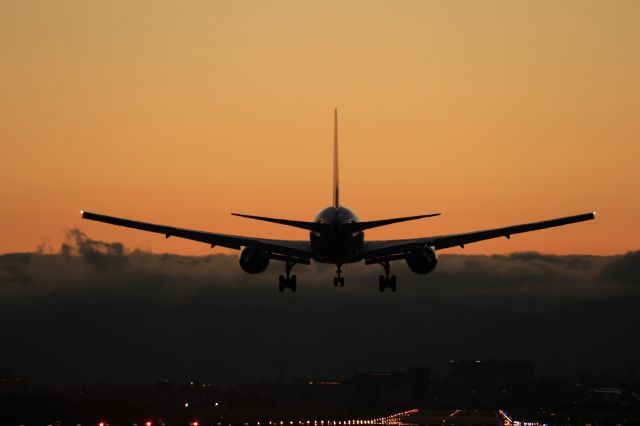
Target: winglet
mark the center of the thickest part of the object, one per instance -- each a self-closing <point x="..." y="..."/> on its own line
<point x="336" y="184"/>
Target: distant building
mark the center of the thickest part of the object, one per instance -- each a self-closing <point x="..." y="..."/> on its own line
<point x="490" y="374"/>
<point x="383" y="389"/>
<point x="12" y="384"/>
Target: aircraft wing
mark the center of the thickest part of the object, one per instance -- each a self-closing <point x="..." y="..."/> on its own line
<point x="279" y="249"/>
<point x="375" y="251"/>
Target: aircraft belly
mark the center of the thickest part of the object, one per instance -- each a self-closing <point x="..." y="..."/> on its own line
<point x="336" y="248"/>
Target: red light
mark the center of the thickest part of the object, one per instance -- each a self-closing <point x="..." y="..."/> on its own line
<point x="148" y="423"/>
<point x="101" y="424"/>
<point x="194" y="423"/>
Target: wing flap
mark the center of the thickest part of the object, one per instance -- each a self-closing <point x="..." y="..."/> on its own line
<point x="375" y="250"/>
<point x="299" y="249"/>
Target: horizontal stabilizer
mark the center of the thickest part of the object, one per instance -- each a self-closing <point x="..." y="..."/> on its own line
<point x="361" y="226"/>
<point x="311" y="226"/>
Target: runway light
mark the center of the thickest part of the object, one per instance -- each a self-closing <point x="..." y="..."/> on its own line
<point x="186" y="405"/>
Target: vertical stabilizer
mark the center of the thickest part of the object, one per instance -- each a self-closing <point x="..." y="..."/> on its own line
<point x="336" y="183"/>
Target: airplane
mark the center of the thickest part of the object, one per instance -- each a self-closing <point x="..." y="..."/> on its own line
<point x="337" y="237"/>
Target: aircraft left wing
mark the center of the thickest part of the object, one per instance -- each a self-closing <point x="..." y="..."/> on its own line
<point x="375" y="251"/>
<point x="279" y="249"/>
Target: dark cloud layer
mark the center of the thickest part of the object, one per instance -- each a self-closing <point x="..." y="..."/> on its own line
<point x="95" y="310"/>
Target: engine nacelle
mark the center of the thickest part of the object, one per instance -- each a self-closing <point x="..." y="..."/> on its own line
<point x="254" y="261"/>
<point x="423" y="260"/>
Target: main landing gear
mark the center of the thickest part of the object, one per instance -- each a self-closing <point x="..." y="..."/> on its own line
<point x="384" y="280"/>
<point x="338" y="280"/>
<point x="288" y="281"/>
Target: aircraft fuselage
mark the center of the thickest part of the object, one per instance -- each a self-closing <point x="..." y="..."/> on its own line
<point x="335" y="244"/>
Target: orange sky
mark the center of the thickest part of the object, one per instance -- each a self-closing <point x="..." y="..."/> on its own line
<point x="493" y="113"/>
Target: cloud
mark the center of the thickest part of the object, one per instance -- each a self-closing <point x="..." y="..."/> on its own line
<point x="624" y="269"/>
<point x="97" y="310"/>
<point x="100" y="254"/>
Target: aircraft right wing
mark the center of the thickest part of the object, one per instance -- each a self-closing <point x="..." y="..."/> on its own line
<point x="375" y="251"/>
<point x="278" y="249"/>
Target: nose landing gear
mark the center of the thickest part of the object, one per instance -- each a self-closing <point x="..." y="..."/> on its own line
<point x="385" y="281"/>
<point x="288" y="281"/>
<point x="338" y="280"/>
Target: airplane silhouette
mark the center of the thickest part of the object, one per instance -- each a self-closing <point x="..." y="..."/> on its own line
<point x="337" y="237"/>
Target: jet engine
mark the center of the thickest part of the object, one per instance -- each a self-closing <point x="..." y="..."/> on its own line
<point x="423" y="260"/>
<point x="253" y="260"/>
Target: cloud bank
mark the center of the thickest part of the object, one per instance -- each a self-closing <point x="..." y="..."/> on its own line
<point x="95" y="310"/>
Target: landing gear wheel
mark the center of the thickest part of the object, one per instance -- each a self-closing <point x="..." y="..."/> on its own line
<point x="288" y="280"/>
<point x="338" y="280"/>
<point x="385" y="281"/>
<point x="285" y="283"/>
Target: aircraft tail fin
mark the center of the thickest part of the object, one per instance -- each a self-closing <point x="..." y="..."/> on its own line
<point x="336" y="183"/>
<point x="361" y="226"/>
<point x="311" y="226"/>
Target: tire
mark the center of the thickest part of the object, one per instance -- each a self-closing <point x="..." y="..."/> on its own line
<point x="393" y="283"/>
<point x="335" y="281"/>
<point x="381" y="283"/>
<point x="341" y="281"/>
<point x="281" y="283"/>
<point x="293" y="283"/>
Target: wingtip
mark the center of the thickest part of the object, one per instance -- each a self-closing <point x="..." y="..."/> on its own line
<point x="82" y="213"/>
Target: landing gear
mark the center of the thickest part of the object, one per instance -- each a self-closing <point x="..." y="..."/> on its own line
<point x="385" y="281"/>
<point x="288" y="280"/>
<point x="287" y="283"/>
<point x="338" y="280"/>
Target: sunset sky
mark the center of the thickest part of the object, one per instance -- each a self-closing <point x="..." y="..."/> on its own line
<point x="178" y="113"/>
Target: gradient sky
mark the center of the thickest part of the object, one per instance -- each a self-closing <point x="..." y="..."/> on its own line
<point x="493" y="113"/>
